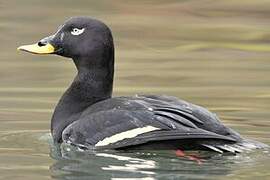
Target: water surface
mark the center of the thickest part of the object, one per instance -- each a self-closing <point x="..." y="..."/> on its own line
<point x="212" y="53"/>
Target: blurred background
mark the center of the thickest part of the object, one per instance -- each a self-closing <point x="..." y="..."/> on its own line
<point x="211" y="53"/>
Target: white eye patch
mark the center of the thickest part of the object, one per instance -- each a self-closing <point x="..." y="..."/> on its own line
<point x="77" y="31"/>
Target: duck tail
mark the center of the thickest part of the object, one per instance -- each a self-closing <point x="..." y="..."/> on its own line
<point x="245" y="145"/>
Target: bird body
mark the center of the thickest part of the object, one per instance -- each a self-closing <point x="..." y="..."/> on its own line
<point x="88" y="117"/>
<point x="157" y="118"/>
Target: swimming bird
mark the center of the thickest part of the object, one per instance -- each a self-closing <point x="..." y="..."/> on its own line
<point x="87" y="116"/>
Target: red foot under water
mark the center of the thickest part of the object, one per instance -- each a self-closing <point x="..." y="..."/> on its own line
<point x="191" y="157"/>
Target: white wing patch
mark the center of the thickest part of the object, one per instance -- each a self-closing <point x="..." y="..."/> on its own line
<point x="127" y="134"/>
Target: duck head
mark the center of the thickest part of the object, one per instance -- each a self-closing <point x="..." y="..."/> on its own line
<point x="80" y="38"/>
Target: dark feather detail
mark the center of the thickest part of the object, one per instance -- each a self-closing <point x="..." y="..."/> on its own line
<point x="232" y="148"/>
<point x="176" y="118"/>
<point x="183" y="108"/>
<point x="179" y="112"/>
<point x="212" y="148"/>
<point x="226" y="148"/>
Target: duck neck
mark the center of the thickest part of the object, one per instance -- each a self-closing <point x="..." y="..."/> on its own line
<point x="93" y="83"/>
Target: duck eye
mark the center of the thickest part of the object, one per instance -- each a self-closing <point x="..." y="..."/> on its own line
<point x="77" y="31"/>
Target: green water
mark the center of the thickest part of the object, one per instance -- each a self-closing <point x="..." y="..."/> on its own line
<point x="212" y="53"/>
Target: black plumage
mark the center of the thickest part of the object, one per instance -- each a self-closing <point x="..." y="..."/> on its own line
<point x="89" y="117"/>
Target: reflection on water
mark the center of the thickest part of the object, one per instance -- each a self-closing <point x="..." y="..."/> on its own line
<point x="102" y="164"/>
<point x="74" y="164"/>
<point x="212" y="53"/>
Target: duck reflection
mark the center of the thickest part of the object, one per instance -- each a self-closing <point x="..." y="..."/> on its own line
<point x="73" y="163"/>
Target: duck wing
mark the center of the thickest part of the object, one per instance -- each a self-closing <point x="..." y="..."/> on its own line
<point x="200" y="116"/>
<point x="142" y="120"/>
